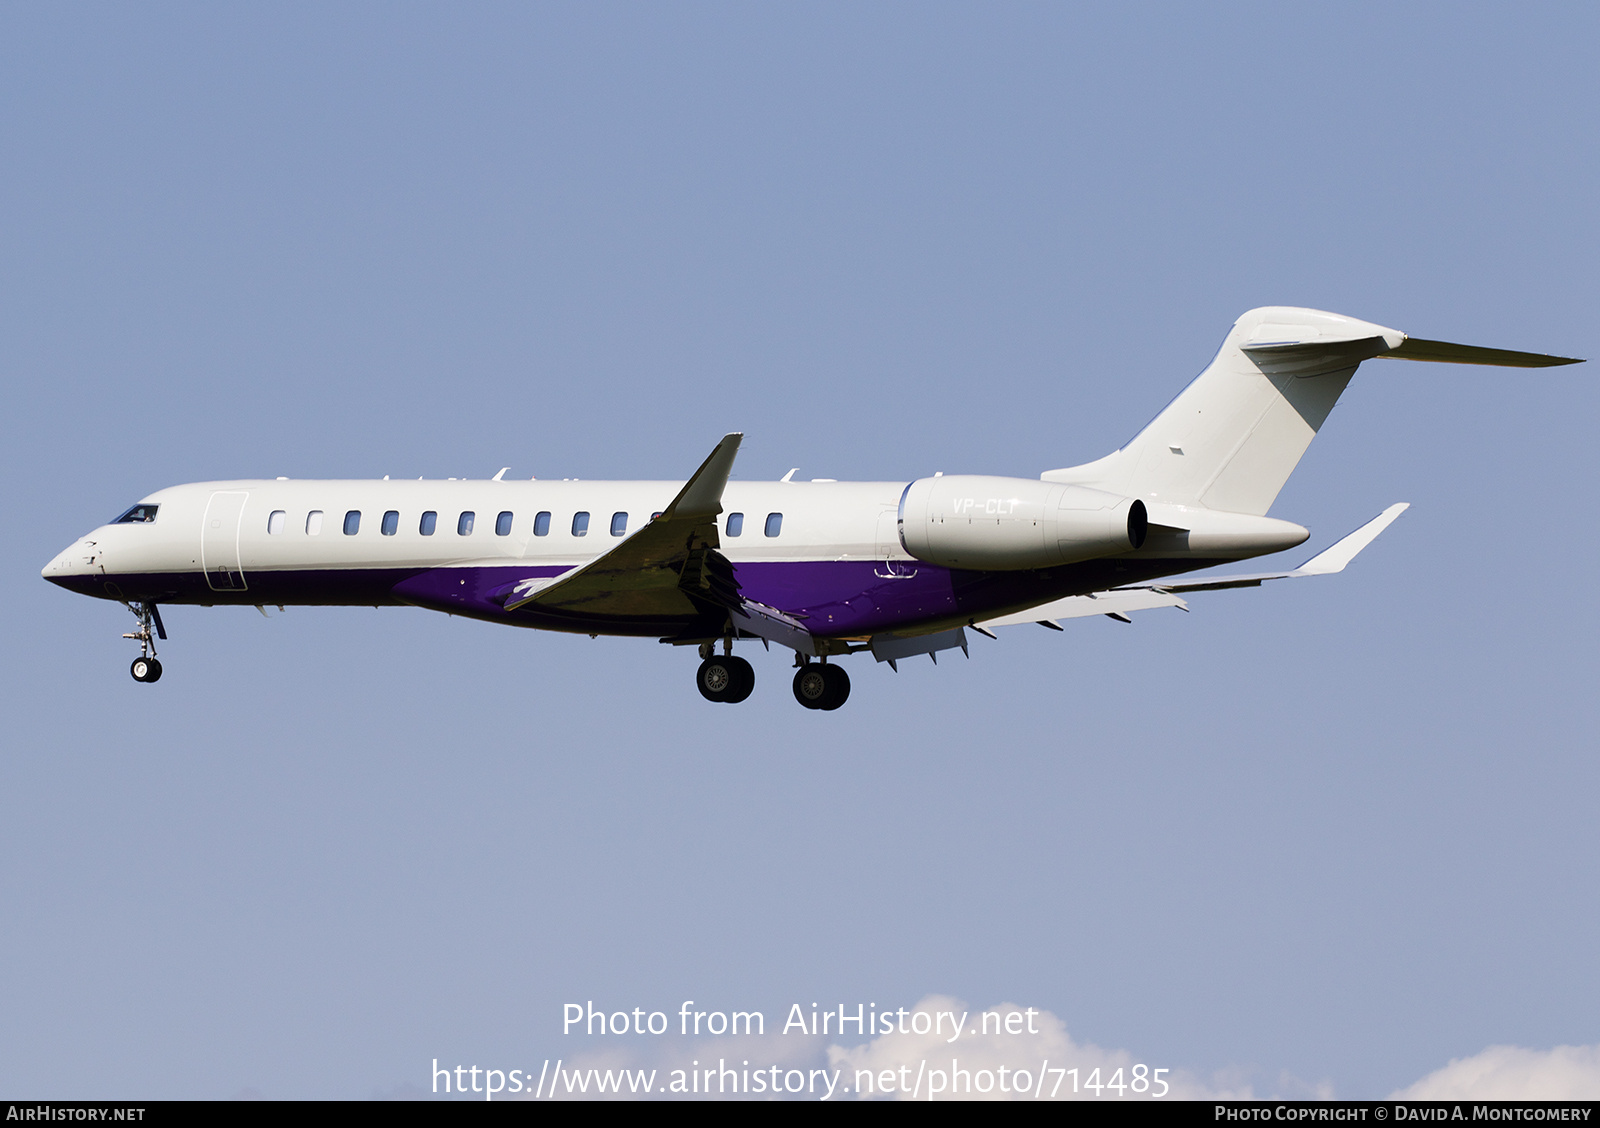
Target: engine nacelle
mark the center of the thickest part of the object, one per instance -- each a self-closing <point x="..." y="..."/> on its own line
<point x="1015" y="524"/>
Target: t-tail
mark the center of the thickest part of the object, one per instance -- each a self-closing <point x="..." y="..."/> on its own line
<point x="1232" y="437"/>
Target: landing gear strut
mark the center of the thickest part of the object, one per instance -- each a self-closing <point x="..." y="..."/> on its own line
<point x="146" y="667"/>
<point x="817" y="685"/>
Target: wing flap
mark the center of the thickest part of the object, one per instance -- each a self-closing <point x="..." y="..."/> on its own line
<point x="773" y="625"/>
<point x="1119" y="602"/>
<point x="890" y="647"/>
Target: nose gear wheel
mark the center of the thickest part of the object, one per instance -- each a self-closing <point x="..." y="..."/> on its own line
<point x="146" y="668"/>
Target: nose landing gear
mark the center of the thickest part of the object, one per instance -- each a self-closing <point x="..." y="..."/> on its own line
<point x="146" y="667"/>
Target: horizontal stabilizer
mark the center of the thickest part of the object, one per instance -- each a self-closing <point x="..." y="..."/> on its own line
<point x="1415" y="348"/>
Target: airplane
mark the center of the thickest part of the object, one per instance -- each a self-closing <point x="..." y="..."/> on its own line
<point x="822" y="568"/>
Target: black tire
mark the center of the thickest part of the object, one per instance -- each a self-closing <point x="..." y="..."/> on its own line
<point x="838" y="687"/>
<point x="811" y="685"/>
<point x="141" y="670"/>
<point x="155" y="670"/>
<point x="744" y="683"/>
<point x="718" y="679"/>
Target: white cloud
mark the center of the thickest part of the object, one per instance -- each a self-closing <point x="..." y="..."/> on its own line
<point x="807" y="1067"/>
<point x="934" y="1065"/>
<point x="969" y="1067"/>
<point x="1511" y="1073"/>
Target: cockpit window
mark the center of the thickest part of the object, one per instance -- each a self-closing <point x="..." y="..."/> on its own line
<point x="138" y="515"/>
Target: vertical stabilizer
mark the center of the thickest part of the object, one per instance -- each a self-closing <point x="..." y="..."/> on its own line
<point x="1233" y="437"/>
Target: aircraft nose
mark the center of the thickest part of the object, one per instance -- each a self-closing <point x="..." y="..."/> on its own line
<point x="75" y="564"/>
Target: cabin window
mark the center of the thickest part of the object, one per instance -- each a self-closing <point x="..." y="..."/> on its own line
<point x="391" y="523"/>
<point x="735" y="524"/>
<point x="580" y="524"/>
<point x="429" y="522"/>
<point x="352" y="522"/>
<point x="541" y="524"/>
<point x="275" y="522"/>
<point x="502" y="524"/>
<point x="774" y="524"/>
<point x="313" y="522"/>
<point x="464" y="523"/>
<point x="619" y="524"/>
<point x="138" y="515"/>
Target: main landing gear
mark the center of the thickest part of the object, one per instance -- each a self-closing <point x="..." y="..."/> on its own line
<point x="146" y="667"/>
<point x="726" y="679"/>
<point x="817" y="685"/>
<point x="729" y="680"/>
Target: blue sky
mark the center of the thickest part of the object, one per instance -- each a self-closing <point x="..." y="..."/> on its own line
<point x="1338" y="832"/>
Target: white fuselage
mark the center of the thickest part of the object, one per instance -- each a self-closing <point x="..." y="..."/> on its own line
<point x="829" y="552"/>
<point x="200" y="527"/>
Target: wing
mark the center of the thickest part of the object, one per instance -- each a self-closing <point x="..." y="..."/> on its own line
<point x="668" y="568"/>
<point x="1140" y="597"/>
<point x="1324" y="563"/>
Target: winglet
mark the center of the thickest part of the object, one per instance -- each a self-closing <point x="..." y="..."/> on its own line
<point x="701" y="495"/>
<point x="1333" y="559"/>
